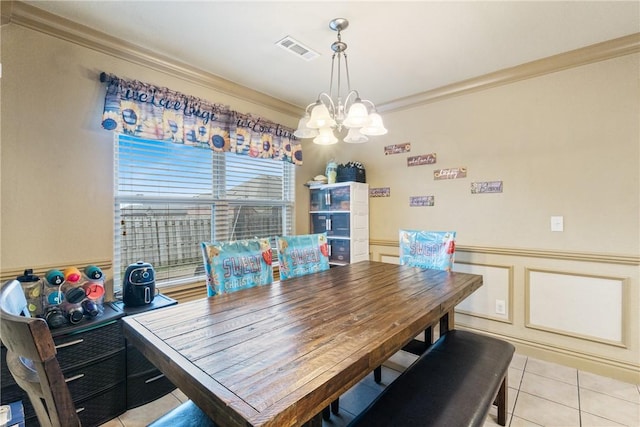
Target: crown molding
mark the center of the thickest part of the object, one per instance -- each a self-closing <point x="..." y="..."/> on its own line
<point x="31" y="17"/>
<point x="587" y="55"/>
<point x="606" y="258"/>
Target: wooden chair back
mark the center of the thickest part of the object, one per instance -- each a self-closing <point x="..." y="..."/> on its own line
<point x="31" y="359"/>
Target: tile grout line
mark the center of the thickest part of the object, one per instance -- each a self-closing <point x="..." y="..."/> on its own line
<point x="579" y="403"/>
<point x="515" y="400"/>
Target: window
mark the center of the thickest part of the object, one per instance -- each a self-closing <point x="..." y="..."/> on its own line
<point x="170" y="197"/>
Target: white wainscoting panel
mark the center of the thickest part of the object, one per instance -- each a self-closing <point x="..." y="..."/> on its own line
<point x="584" y="306"/>
<point x="497" y="289"/>
<point x="391" y="259"/>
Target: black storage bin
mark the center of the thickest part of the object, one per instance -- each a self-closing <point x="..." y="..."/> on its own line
<point x="145" y="382"/>
<point x="351" y="173"/>
<point x="340" y="251"/>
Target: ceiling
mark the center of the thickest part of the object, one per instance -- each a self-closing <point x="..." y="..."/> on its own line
<point x="396" y="48"/>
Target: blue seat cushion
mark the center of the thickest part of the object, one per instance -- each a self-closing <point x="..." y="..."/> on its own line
<point x="185" y="415"/>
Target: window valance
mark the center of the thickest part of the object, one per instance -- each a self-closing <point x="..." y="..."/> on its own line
<point x="143" y="110"/>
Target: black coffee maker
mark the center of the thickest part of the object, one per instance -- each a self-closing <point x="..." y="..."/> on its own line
<point x="139" y="285"/>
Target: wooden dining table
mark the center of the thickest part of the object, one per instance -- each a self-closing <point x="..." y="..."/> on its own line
<point x="277" y="355"/>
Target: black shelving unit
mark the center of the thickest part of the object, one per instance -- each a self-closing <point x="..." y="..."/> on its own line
<point x="106" y="376"/>
<point x="145" y="382"/>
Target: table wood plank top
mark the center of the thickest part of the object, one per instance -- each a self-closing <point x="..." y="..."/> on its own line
<point x="276" y="355"/>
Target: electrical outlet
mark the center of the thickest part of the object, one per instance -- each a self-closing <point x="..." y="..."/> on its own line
<point x="500" y="307"/>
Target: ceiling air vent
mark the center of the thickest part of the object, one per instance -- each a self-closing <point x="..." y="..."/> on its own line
<point x="290" y="44"/>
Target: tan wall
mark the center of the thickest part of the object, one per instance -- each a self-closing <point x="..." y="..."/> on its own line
<point x="565" y="143"/>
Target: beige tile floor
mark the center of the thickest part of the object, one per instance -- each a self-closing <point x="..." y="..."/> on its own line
<point x="540" y="394"/>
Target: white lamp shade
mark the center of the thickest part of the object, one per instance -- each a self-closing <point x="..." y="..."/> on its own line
<point x="303" y="130"/>
<point x="320" y="117"/>
<point x="357" y="115"/>
<point x="354" y="136"/>
<point x="374" y="126"/>
<point x="325" y="137"/>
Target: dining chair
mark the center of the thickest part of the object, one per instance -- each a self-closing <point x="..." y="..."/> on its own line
<point x="240" y="264"/>
<point x="302" y="254"/>
<point x="229" y="267"/>
<point x="432" y="250"/>
<point x="31" y="359"/>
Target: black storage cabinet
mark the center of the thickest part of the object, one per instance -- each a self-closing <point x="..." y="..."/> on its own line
<point x="105" y="375"/>
<point x="92" y="356"/>
<point x="145" y="383"/>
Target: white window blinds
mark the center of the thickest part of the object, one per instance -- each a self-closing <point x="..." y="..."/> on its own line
<point x="170" y="197"/>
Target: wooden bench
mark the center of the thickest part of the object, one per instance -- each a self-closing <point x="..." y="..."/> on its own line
<point x="454" y="383"/>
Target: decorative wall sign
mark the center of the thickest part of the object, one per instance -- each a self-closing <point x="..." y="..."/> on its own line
<point x="380" y="192"/>
<point x="451" y="173"/>
<point x="421" y="201"/>
<point x="486" y="187"/>
<point x="424" y="159"/>
<point x="397" y="148"/>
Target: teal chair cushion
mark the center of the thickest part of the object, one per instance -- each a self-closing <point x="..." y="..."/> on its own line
<point x="302" y="255"/>
<point x="231" y="266"/>
<point x="434" y="250"/>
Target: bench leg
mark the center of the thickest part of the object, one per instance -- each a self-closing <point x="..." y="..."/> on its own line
<point x="335" y="406"/>
<point x="501" y="402"/>
<point x="377" y="374"/>
<point x="326" y="414"/>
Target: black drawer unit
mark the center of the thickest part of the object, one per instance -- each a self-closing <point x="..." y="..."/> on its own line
<point x="92" y="356"/>
<point x="103" y="407"/>
<point x="340" y="251"/>
<point x="145" y="382"/>
<point x="334" y="224"/>
<point x="106" y="377"/>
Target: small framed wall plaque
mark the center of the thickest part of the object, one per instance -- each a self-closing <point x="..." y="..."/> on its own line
<point x="380" y="192"/>
<point x="451" y="173"/>
<point x="417" y="201"/>
<point x="397" y="148"/>
<point x="424" y="159"/>
<point x="486" y="187"/>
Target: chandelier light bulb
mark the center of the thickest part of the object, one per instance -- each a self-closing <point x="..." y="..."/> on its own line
<point x="374" y="126"/>
<point x="320" y="117"/>
<point x="325" y="137"/>
<point x="303" y="130"/>
<point x="357" y="115"/>
<point x="355" y="137"/>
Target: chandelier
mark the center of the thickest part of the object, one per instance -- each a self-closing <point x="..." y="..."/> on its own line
<point x="326" y="116"/>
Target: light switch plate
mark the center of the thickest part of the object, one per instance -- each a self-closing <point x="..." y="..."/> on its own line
<point x="557" y="223"/>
